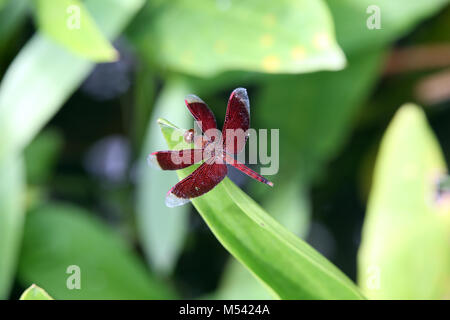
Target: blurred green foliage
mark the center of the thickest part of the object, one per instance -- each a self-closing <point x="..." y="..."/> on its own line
<point x="57" y="236"/>
<point x="12" y="189"/>
<point x="75" y="188"/>
<point x="85" y="40"/>
<point x="206" y="37"/>
<point x="161" y="229"/>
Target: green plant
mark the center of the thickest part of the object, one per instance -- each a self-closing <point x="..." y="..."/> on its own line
<point x="35" y="293"/>
<point x="313" y="69"/>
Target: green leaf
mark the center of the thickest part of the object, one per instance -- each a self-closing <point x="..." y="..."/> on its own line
<point x="24" y="91"/>
<point x="35" y="293"/>
<point x="162" y="230"/>
<point x="12" y="16"/>
<point x="207" y="37"/>
<point x="315" y="112"/>
<point x="58" y="236"/>
<point x="405" y="252"/>
<point x="40" y="156"/>
<point x="293" y="198"/>
<point x="286" y="265"/>
<point x="70" y="24"/>
<point x="397" y="17"/>
<point x="12" y="208"/>
<point x="237" y="282"/>
<point x="43" y="75"/>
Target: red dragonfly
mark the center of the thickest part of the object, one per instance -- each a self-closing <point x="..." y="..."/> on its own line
<point x="214" y="147"/>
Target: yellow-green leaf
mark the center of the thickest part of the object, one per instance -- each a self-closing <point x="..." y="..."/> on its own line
<point x="35" y="293"/>
<point x="287" y="266"/>
<point x="70" y="24"/>
<point x="405" y="250"/>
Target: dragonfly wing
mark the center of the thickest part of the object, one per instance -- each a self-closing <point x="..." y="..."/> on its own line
<point x="200" y="111"/>
<point x="243" y="168"/>
<point x="237" y="121"/>
<point x="175" y="159"/>
<point x="202" y="180"/>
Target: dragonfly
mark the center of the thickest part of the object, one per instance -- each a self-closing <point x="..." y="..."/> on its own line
<point x="214" y="147"/>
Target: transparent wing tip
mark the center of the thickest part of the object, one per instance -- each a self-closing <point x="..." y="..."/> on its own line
<point x="174" y="201"/>
<point x="192" y="98"/>
<point x="241" y="94"/>
<point x="153" y="162"/>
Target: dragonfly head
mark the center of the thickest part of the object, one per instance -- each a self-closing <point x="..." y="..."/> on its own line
<point x="189" y="136"/>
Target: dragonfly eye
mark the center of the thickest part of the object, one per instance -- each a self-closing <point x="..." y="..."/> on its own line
<point x="189" y="136"/>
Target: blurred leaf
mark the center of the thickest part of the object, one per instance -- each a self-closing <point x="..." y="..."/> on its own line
<point x="397" y="18"/>
<point x="35" y="293"/>
<point x="40" y="156"/>
<point x="289" y="205"/>
<point x="69" y="23"/>
<point x="12" y="15"/>
<point x="286" y="265"/>
<point x="238" y="283"/>
<point x="405" y="252"/>
<point x="58" y="236"/>
<point x="162" y="230"/>
<point x="12" y="188"/>
<point x="315" y="112"/>
<point x="28" y="99"/>
<point x="207" y="37"/>
<point x="43" y="76"/>
<point x="144" y="97"/>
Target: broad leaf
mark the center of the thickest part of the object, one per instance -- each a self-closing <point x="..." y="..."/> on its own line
<point x="59" y="236"/>
<point x="237" y="282"/>
<point x="206" y="37"/>
<point x="286" y="265"/>
<point x="405" y="252"/>
<point x="70" y="24"/>
<point x="35" y="293"/>
<point x="12" y="209"/>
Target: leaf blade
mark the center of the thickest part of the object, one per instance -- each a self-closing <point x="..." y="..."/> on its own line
<point x="404" y="227"/>
<point x="12" y="213"/>
<point x="70" y="24"/>
<point x="256" y="240"/>
<point x="58" y="235"/>
<point x="249" y="36"/>
<point x="35" y="293"/>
